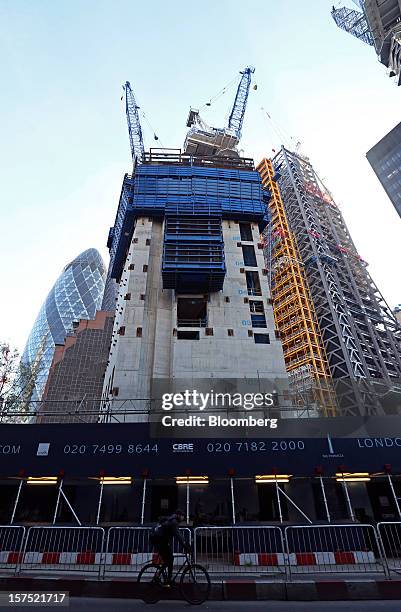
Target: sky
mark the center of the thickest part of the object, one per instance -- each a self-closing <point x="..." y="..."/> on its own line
<point x="64" y="142"/>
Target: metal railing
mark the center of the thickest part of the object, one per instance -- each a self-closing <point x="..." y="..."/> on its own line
<point x="72" y="549"/>
<point x="11" y="542"/>
<point x="262" y="549"/>
<point x="333" y="549"/>
<point x="192" y="322"/>
<point x="240" y="549"/>
<point x="129" y="548"/>
<point x="390" y="537"/>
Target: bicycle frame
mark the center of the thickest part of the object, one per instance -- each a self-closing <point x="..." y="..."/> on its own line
<point x="186" y="562"/>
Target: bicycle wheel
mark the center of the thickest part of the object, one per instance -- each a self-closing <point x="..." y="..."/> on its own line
<point x="151" y="577"/>
<point x="195" y="584"/>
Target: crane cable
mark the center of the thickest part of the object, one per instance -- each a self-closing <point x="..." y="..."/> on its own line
<point x="282" y="135"/>
<point x="155" y="136"/>
<point x="219" y="94"/>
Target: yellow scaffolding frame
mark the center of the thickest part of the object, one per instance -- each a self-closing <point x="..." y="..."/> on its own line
<point x="293" y="308"/>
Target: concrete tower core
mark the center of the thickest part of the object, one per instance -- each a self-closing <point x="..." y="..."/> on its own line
<point x="193" y="299"/>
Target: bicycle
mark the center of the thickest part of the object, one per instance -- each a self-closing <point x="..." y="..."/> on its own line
<point x="194" y="585"/>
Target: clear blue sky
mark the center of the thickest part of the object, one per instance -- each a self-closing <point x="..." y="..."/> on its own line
<point x="64" y="139"/>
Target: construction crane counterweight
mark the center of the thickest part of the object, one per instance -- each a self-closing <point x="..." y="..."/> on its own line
<point x="203" y="139"/>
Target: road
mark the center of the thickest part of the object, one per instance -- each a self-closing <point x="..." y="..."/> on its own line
<point x="88" y="604"/>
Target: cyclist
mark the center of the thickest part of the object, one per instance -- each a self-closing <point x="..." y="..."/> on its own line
<point x="162" y="539"/>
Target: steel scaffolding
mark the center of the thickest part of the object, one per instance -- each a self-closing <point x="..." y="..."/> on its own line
<point x="358" y="328"/>
<point x="304" y="353"/>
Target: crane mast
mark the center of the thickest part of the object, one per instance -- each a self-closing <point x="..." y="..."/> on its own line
<point x="134" y="126"/>
<point x="353" y="22"/>
<point x="238" y="110"/>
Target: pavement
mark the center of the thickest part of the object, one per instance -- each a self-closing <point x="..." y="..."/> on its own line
<point x="89" y="604"/>
<point x="224" y="590"/>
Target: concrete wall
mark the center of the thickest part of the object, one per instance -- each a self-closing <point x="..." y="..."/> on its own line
<point x="149" y="347"/>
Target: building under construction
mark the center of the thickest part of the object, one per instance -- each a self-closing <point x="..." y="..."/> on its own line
<point x="192" y="301"/>
<point x="377" y="24"/>
<point x="331" y="316"/>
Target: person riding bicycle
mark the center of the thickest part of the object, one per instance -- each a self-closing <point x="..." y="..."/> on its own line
<point x="162" y="539"/>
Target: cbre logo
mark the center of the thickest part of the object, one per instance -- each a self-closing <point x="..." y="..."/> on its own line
<point x="183" y="448"/>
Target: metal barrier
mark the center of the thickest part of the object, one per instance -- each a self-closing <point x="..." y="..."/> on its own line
<point x="11" y="543"/>
<point x="305" y="549"/>
<point x="75" y="549"/>
<point x="129" y="548"/>
<point x="333" y="549"/>
<point x="390" y="538"/>
<point x="240" y="549"/>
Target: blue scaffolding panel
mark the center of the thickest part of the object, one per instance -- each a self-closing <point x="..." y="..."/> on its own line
<point x="193" y="200"/>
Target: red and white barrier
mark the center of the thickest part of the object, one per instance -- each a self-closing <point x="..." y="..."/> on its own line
<point x="306" y="558"/>
<point x="81" y="558"/>
<point x="63" y="558"/>
<point x="10" y="557"/>
<point x="264" y="559"/>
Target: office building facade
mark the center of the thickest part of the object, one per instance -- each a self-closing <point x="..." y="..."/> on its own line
<point x="385" y="159"/>
<point x="77" y="294"/>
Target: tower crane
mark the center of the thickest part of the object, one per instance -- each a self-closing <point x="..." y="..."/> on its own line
<point x="203" y="139"/>
<point x="134" y="125"/>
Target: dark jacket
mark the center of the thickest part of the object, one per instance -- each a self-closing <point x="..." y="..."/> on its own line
<point x="167" y="530"/>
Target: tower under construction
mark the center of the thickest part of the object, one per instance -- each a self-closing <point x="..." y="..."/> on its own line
<point x="294" y="312"/>
<point x="192" y="299"/>
<point x="309" y="244"/>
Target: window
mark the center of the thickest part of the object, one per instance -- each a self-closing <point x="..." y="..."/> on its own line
<point x="256" y="306"/>
<point x="253" y="283"/>
<point x="121" y="331"/>
<point x="258" y="320"/>
<point x="248" y="253"/>
<point x="261" y="338"/>
<point x="245" y="231"/>
<point x="250" y="333"/>
<point x="191" y="312"/>
<point x="127" y="296"/>
<point x="147" y="241"/>
<point x="230" y="332"/>
<point x="139" y="332"/>
<point x="209" y="331"/>
<point x="226" y="299"/>
<point x="257" y="313"/>
<point x="131" y="267"/>
<point x="145" y="268"/>
<point x="187" y="335"/>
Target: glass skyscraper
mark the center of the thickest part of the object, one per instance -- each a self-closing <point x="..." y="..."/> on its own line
<point x="385" y="159"/>
<point x="77" y="294"/>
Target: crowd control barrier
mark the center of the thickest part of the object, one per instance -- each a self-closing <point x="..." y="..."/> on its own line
<point x="390" y="537"/>
<point x="240" y="549"/>
<point x="129" y="548"/>
<point x="72" y="549"/>
<point x="11" y="543"/>
<point x="260" y="549"/>
<point x="333" y="549"/>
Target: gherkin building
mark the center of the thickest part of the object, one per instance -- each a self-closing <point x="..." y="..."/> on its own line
<point x="76" y="294"/>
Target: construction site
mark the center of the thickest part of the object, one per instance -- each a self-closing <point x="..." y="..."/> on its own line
<point x="247" y="256"/>
<point x="231" y="278"/>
